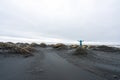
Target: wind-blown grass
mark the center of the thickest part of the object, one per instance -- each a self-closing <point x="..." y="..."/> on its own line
<point x="34" y="44"/>
<point x="20" y="48"/>
<point x="59" y="46"/>
<point x="43" y="45"/>
<point x="74" y="46"/>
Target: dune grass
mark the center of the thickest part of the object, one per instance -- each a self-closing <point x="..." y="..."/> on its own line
<point x="91" y="46"/>
<point x="18" y="48"/>
<point x="73" y="46"/>
<point x="34" y="44"/>
<point x="59" y="46"/>
<point x="43" y="45"/>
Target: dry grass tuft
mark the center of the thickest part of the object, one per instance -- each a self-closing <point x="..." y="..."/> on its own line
<point x="5" y="45"/>
<point x="43" y="45"/>
<point x="22" y="44"/>
<point x="29" y="48"/>
<point x="24" y="51"/>
<point x="85" y="46"/>
<point x="59" y="46"/>
<point x="19" y="48"/>
<point x="34" y="45"/>
<point x="91" y="46"/>
<point x="74" y="46"/>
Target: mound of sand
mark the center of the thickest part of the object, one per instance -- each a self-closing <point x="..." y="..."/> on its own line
<point x="80" y="51"/>
<point x="107" y="49"/>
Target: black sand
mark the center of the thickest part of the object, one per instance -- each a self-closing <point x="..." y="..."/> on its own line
<point x="52" y="64"/>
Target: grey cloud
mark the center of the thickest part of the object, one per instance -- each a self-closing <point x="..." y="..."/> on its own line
<point x="91" y="20"/>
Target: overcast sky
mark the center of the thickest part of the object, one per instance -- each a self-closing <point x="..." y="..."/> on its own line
<point x="56" y="20"/>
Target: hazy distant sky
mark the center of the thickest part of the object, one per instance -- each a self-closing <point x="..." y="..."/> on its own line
<point x="90" y="20"/>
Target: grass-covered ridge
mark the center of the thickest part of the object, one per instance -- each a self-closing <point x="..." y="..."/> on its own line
<point x="26" y="48"/>
<point x="18" y="48"/>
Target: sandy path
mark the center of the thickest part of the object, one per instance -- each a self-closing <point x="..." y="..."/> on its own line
<point x="56" y="68"/>
<point x="45" y="65"/>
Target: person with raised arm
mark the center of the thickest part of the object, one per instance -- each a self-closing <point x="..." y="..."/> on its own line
<point x="80" y="42"/>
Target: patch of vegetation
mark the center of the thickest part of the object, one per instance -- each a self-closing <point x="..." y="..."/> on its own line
<point x="59" y="46"/>
<point x="91" y="46"/>
<point x="85" y="46"/>
<point x="29" y="48"/>
<point x="26" y="51"/>
<point x="34" y="44"/>
<point x="18" y="48"/>
<point x="74" y="46"/>
<point x="43" y="45"/>
<point x="7" y="46"/>
<point x="22" y="44"/>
